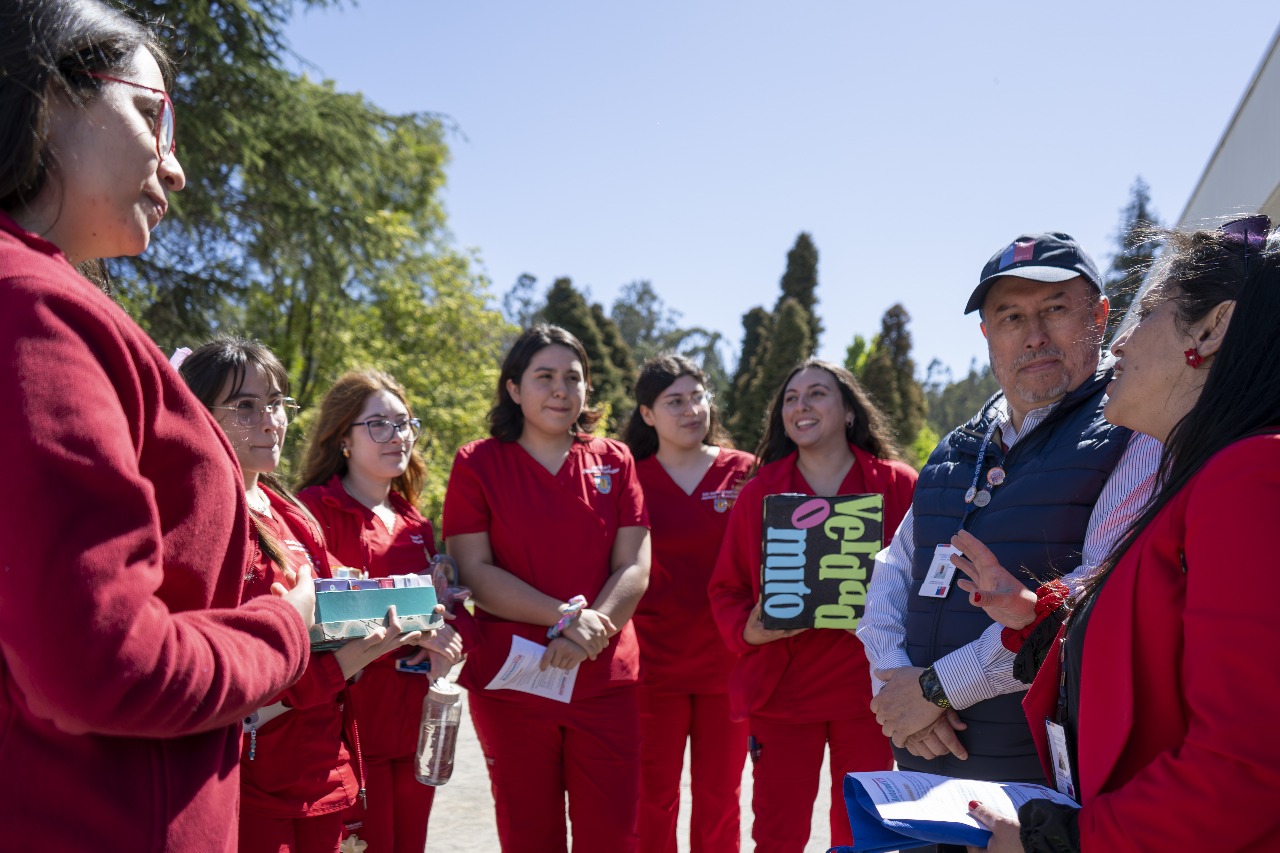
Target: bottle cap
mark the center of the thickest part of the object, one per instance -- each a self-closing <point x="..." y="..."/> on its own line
<point x="444" y="692"/>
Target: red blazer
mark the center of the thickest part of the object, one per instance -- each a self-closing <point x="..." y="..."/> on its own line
<point x="1177" y="748"/>
<point x="126" y="662"/>
<point x="819" y="674"/>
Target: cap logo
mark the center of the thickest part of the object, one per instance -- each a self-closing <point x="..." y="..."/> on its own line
<point x="1022" y="250"/>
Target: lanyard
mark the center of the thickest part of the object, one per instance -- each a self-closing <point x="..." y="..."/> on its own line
<point x="972" y="494"/>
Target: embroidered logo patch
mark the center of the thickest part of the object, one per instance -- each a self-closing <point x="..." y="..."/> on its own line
<point x="602" y="477"/>
<point x="722" y="499"/>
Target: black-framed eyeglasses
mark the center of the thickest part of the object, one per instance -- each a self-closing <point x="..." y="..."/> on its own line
<point x="249" y="414"/>
<point x="382" y="430"/>
<point x="166" y="123"/>
<point x="1248" y="231"/>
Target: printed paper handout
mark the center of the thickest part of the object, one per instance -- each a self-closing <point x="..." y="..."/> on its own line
<point x="520" y="672"/>
<point x="900" y="810"/>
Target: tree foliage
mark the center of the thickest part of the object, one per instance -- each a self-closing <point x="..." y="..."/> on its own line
<point x="800" y="282"/>
<point x="612" y="368"/>
<point x="889" y="375"/>
<point x="1134" y="252"/>
<point x="649" y="327"/>
<point x="312" y="221"/>
<point x="951" y="403"/>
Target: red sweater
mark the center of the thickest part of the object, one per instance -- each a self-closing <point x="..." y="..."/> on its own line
<point x="1174" y="743"/>
<point x="820" y="674"/>
<point x="680" y="648"/>
<point x="388" y="703"/>
<point x="302" y="764"/>
<point x="127" y="662"/>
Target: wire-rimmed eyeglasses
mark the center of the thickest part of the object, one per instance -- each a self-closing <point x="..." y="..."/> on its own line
<point x="249" y="413"/>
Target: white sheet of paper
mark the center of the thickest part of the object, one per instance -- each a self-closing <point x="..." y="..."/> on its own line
<point x="520" y="672"/>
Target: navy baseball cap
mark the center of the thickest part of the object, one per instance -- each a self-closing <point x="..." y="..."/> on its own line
<point x="1046" y="257"/>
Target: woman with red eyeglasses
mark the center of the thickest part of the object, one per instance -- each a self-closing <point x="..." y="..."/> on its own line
<point x="127" y="661"/>
<point x="361" y="477"/>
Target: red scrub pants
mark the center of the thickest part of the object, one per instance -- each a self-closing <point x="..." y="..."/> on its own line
<point x="787" y="765"/>
<point x="395" y="820"/>
<point x="261" y="834"/>
<point x="716" y="755"/>
<point x="539" y="749"/>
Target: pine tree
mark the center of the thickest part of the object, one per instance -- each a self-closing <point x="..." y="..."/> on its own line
<point x="567" y="308"/>
<point x="1135" y="251"/>
<point x="889" y="376"/>
<point x="743" y="413"/>
<point x="622" y="367"/>
<point x="789" y="344"/>
<point x="800" y="282"/>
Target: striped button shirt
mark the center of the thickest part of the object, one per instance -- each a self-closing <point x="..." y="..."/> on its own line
<point x="984" y="668"/>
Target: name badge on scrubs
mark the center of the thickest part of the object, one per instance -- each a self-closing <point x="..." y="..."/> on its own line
<point x="937" y="583"/>
<point x="1061" y="759"/>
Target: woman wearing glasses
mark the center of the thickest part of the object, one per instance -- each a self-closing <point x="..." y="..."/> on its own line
<point x="361" y="478"/>
<point x="549" y="529"/>
<point x="804" y="691"/>
<point x="1159" y="683"/>
<point x="690" y="478"/>
<point x="299" y="763"/>
<point x="126" y="659"/>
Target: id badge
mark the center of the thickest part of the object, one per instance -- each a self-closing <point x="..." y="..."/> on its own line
<point x="937" y="583"/>
<point x="1061" y="758"/>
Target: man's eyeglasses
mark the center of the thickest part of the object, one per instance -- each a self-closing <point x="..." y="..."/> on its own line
<point x="679" y="403"/>
<point x="382" y="430"/>
<point x="166" y="132"/>
<point x="249" y="414"/>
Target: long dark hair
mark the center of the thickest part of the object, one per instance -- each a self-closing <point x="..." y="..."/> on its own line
<point x="870" y="430"/>
<point x="1199" y="270"/>
<point x="657" y="375"/>
<point x="338" y="410"/>
<point x="206" y="371"/>
<point x="506" y="421"/>
<point x="47" y="50"/>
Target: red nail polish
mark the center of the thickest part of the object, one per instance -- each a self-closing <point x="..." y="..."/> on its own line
<point x="977" y="596"/>
<point x="973" y="804"/>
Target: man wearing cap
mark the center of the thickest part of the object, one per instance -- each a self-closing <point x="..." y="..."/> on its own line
<point x="1041" y="478"/>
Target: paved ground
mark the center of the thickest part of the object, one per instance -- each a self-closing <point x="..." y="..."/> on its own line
<point x="462" y="818"/>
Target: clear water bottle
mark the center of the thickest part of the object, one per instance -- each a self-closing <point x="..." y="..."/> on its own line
<point x="438" y="733"/>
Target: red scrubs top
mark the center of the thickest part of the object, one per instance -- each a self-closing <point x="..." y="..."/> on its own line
<point x="554" y="532"/>
<point x="680" y="646"/>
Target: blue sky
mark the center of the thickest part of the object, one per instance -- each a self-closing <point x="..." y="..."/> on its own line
<point x="688" y="143"/>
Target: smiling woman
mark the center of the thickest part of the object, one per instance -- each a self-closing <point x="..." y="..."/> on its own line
<point x="132" y="531"/>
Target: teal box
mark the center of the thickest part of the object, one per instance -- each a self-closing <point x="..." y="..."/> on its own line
<point x="349" y="615"/>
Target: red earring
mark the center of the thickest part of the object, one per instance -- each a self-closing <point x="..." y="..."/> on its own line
<point x="1194" y="358"/>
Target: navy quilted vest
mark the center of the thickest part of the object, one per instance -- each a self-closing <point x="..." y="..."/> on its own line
<point x="1037" y="520"/>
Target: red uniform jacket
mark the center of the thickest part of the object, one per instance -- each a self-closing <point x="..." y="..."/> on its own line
<point x="820" y="674"/>
<point x="302" y="759"/>
<point x="387" y="703"/>
<point x="680" y="648"/>
<point x="1175" y="745"/>
<point x="554" y="532"/>
<point x="126" y="660"/>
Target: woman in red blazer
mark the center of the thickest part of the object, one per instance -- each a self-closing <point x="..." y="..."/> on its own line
<point x="802" y="691"/>
<point x="1165" y="655"/>
<point x="300" y="757"/>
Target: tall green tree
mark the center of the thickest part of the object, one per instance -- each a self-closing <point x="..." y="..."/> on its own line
<point x="569" y="309"/>
<point x="889" y="376"/>
<point x="744" y="410"/>
<point x="789" y="344"/>
<point x="800" y="282"/>
<point x="649" y="327"/>
<point x="522" y="304"/>
<point x="1135" y="249"/>
<point x="311" y="220"/>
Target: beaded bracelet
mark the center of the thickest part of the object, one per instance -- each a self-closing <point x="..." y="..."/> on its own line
<point x="570" y="612"/>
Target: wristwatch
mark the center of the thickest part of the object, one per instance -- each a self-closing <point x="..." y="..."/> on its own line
<point x="931" y="687"/>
